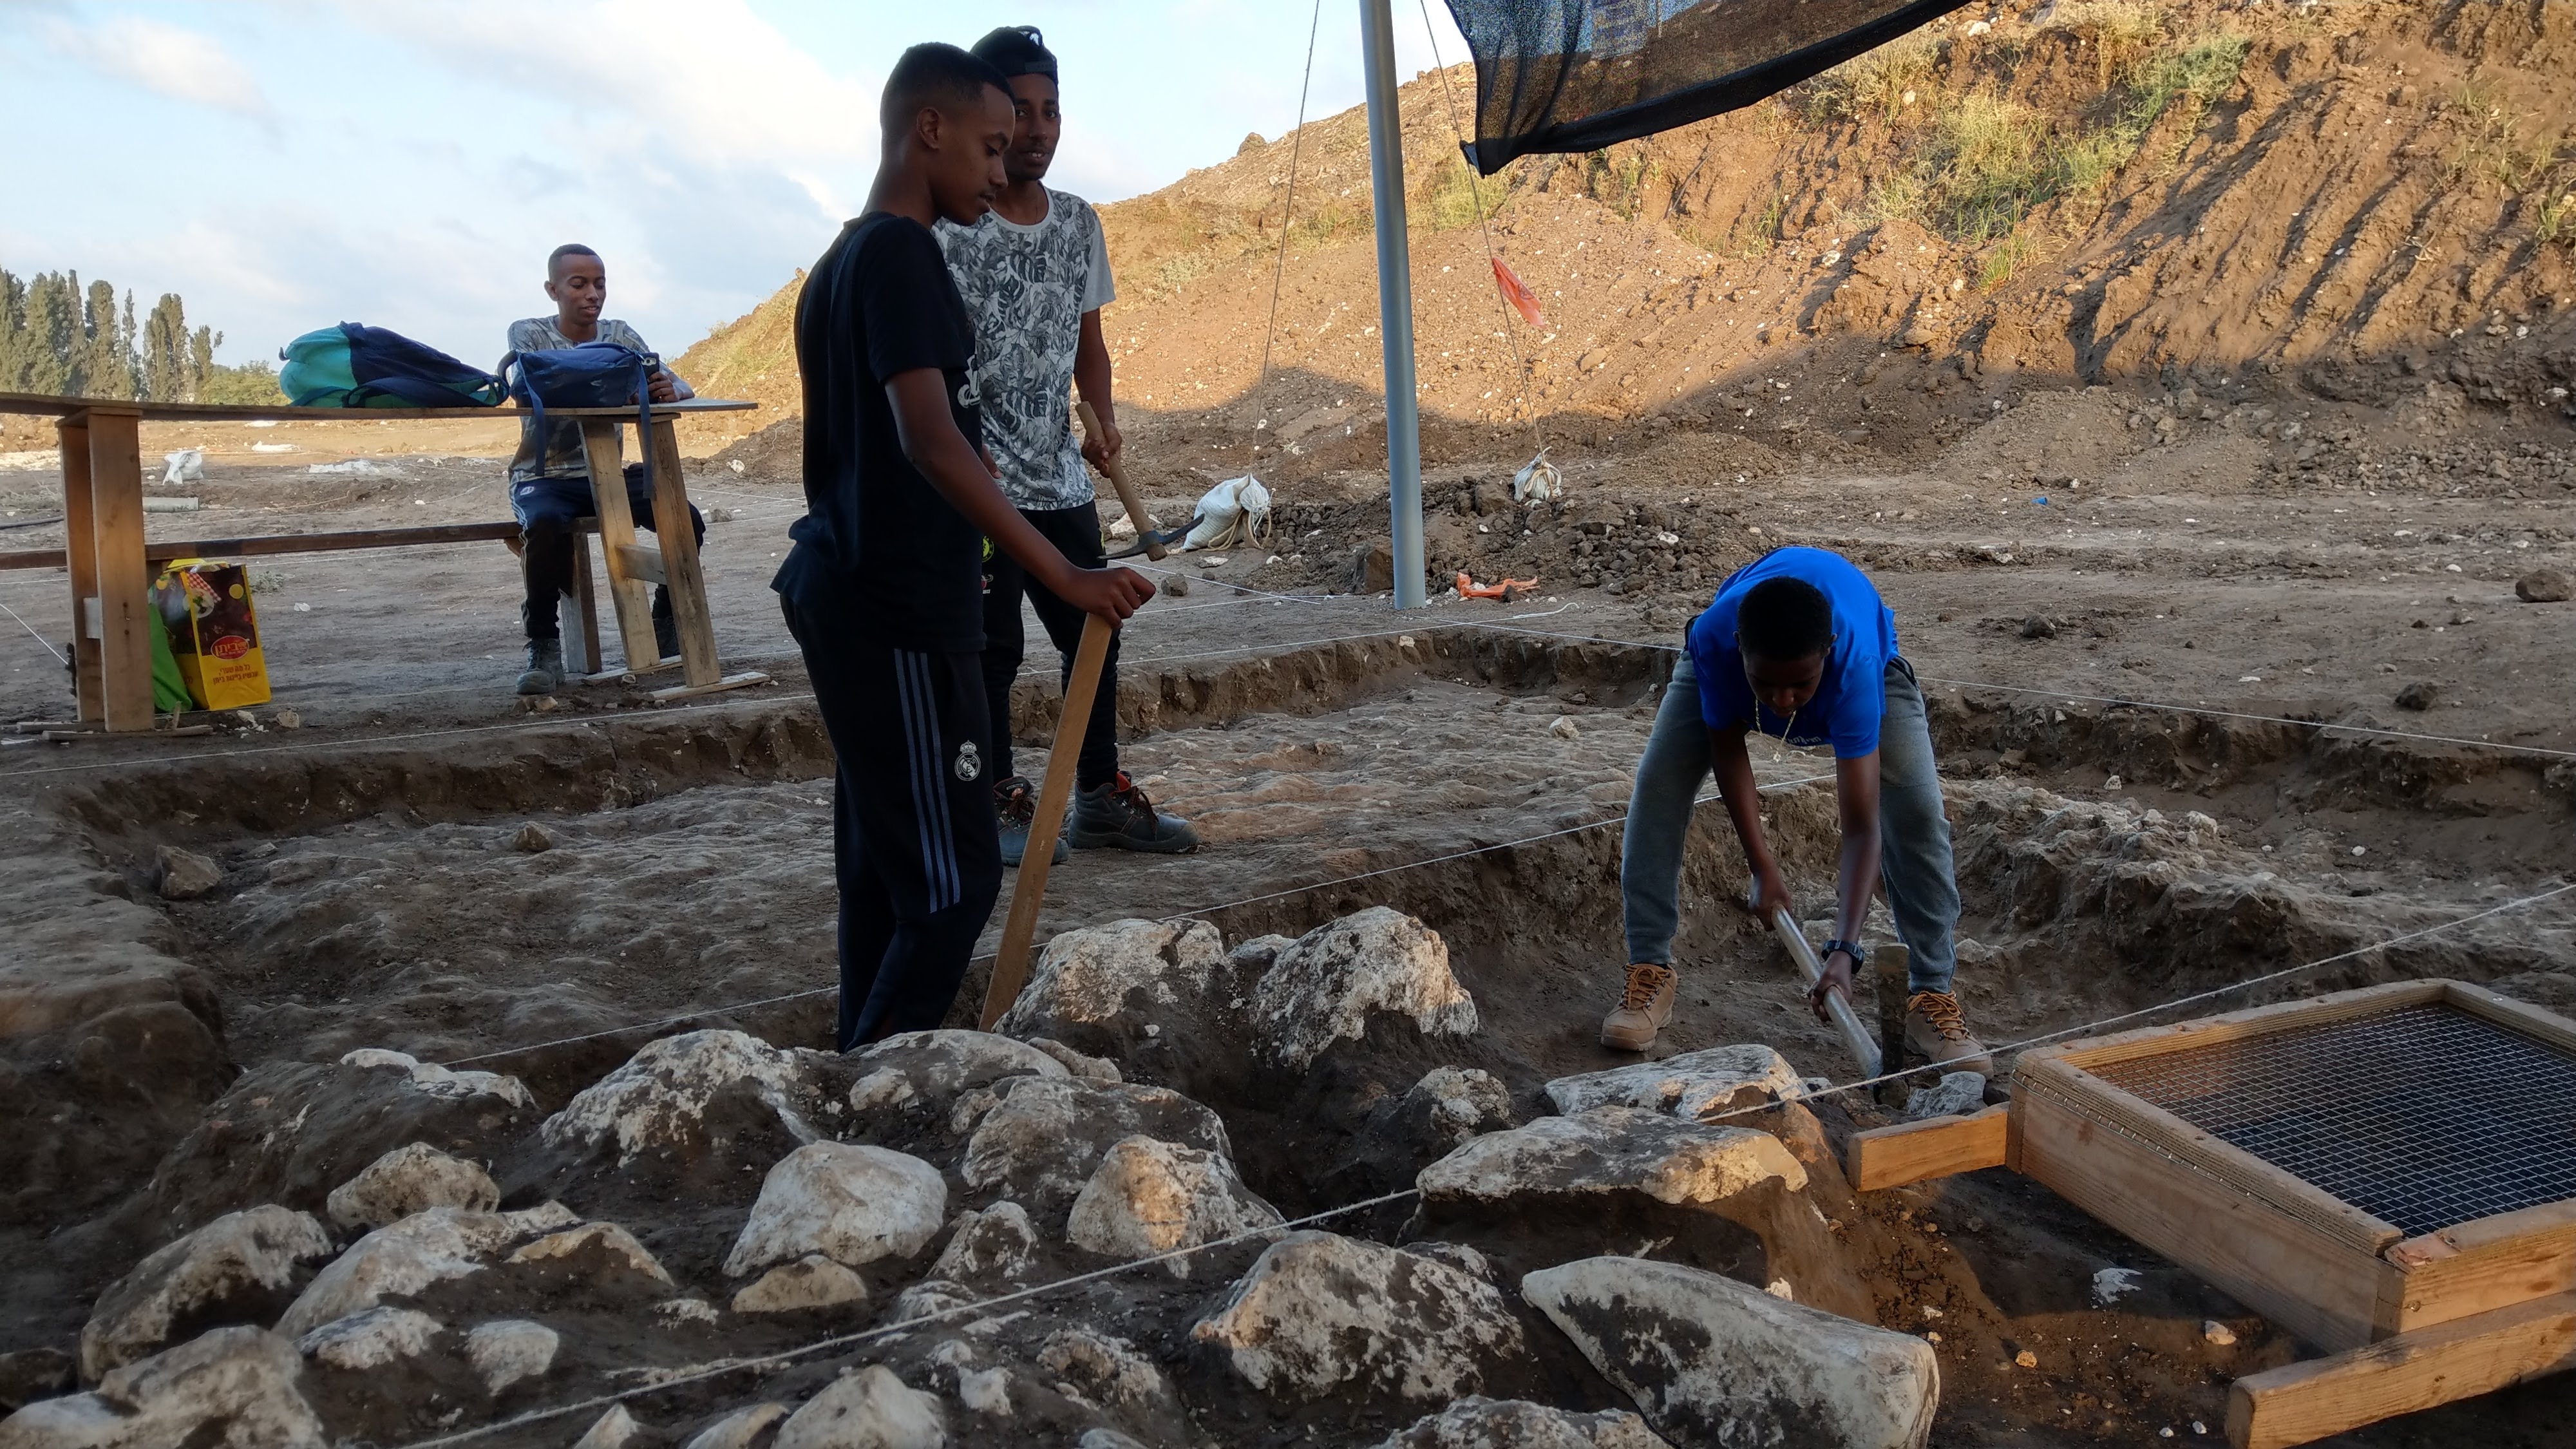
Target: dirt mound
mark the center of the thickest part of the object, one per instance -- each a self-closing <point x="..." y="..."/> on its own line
<point x="2230" y="206"/>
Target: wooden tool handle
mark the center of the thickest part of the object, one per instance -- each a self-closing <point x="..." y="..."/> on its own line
<point x="1856" y="1037"/>
<point x="1117" y="472"/>
<point x="1011" y="962"/>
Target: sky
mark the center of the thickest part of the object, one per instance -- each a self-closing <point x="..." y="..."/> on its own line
<point x="285" y="165"/>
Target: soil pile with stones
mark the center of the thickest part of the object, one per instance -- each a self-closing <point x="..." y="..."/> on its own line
<point x="1049" y="1235"/>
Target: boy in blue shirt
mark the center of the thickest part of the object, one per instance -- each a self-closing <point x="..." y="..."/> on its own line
<point x="1799" y="646"/>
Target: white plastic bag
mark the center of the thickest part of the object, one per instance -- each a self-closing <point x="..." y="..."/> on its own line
<point x="1236" y="511"/>
<point x="187" y="465"/>
<point x="1538" y="481"/>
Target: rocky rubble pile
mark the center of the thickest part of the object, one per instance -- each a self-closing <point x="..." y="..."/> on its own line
<point x="404" y="1251"/>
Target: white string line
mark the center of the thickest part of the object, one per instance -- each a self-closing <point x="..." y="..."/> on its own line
<point x="986" y="1305"/>
<point x="905" y="1325"/>
<point x="32" y="634"/>
<point x="2090" y="1027"/>
<point x="2073" y="697"/>
<point x="1287" y="218"/>
<point x="1324" y="885"/>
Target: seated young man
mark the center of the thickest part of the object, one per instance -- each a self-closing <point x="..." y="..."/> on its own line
<point x="1034" y="271"/>
<point x="1799" y="646"/>
<point x="550" y="477"/>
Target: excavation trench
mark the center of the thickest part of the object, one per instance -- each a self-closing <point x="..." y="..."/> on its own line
<point x="376" y="897"/>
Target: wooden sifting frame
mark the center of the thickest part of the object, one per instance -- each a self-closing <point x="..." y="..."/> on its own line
<point x="2411" y="1320"/>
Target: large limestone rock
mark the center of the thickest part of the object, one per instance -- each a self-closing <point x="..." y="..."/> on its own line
<point x="931" y="1069"/>
<point x="810" y="1282"/>
<point x="1482" y="1423"/>
<point x="1325" y="988"/>
<point x="851" y="1204"/>
<point x="400" y="1260"/>
<point x="744" y="1428"/>
<point x="993" y="1247"/>
<point x="1107" y="1369"/>
<point x="372" y="1339"/>
<point x="1150" y="1197"/>
<point x="593" y="1251"/>
<point x="412" y="1177"/>
<point x="291" y="1132"/>
<point x="184" y="874"/>
<point x="434" y="1080"/>
<point x="1612" y="1150"/>
<point x="1712" y="1361"/>
<point x="660" y="1098"/>
<point x="869" y="1409"/>
<point x="1041" y="1144"/>
<point x="242" y="1267"/>
<point x="507" y="1350"/>
<point x="234" y="1388"/>
<point x="1319" y="1312"/>
<point x="1695" y="1084"/>
<point x="1125" y="970"/>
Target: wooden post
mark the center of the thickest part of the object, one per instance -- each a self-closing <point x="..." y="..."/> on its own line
<point x="679" y="541"/>
<point x="633" y="600"/>
<point x="2303" y="1402"/>
<point x="1011" y="963"/>
<point x="80" y="561"/>
<point x="578" y="611"/>
<point x="124" y="580"/>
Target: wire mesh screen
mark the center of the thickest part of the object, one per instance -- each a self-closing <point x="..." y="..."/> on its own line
<point x="2424" y="1116"/>
<point x="1577" y="75"/>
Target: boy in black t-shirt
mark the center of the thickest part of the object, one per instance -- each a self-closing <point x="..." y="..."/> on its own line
<point x="883" y="590"/>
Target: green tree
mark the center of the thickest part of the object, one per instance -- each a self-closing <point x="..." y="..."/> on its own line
<point x="165" y="351"/>
<point x="107" y="363"/>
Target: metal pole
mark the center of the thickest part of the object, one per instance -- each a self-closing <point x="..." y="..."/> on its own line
<point x="1394" y="302"/>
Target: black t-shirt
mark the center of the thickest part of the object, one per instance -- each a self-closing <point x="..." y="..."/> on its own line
<point x="877" y="540"/>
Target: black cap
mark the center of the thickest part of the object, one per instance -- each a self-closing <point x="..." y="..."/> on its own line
<point x="1017" y="50"/>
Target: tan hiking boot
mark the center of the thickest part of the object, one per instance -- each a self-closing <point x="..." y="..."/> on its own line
<point x="1935" y="1029"/>
<point x="1643" y="1011"/>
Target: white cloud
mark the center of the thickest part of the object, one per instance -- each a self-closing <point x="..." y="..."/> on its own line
<point x="708" y="81"/>
<point x="164" y="60"/>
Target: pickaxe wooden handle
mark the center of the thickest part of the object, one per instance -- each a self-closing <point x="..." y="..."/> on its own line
<point x="1117" y="472"/>
<point x="1011" y="963"/>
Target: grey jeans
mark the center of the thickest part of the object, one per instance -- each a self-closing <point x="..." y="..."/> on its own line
<point x="1914" y="835"/>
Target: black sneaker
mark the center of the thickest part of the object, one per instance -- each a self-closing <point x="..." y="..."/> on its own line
<point x="1118" y="814"/>
<point x="545" y="667"/>
<point x="1017" y="804"/>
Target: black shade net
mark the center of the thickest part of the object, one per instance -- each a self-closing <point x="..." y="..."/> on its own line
<point x="1578" y="75"/>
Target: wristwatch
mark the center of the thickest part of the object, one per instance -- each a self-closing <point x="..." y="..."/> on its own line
<point x="1852" y="949"/>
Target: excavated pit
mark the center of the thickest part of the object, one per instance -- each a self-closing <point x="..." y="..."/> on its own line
<point x="386" y="898"/>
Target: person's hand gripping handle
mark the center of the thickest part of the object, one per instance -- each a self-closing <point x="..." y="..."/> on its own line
<point x="1117" y="472"/>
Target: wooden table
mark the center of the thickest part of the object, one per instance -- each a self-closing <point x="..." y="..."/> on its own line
<point x="111" y="575"/>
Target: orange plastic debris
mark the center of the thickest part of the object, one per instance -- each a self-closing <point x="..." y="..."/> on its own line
<point x="1523" y="300"/>
<point x="1507" y="589"/>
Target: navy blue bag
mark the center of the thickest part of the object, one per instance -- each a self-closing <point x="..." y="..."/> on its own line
<point x="357" y="366"/>
<point x="592" y="375"/>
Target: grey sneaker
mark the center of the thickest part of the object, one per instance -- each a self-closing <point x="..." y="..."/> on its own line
<point x="1117" y="813"/>
<point x="1644" y="1010"/>
<point x="545" y="667"/>
<point x="1935" y="1029"/>
<point x="1017" y="804"/>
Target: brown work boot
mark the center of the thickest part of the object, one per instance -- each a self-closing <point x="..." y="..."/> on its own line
<point x="1643" y="1011"/>
<point x="1935" y="1029"/>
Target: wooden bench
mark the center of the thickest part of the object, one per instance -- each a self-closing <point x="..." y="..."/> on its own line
<point x="109" y="562"/>
<point x="580" y="606"/>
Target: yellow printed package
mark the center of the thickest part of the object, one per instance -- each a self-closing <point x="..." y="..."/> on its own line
<point x="214" y="632"/>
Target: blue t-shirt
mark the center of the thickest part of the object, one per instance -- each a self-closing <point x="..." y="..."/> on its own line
<point x="1850" y="699"/>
